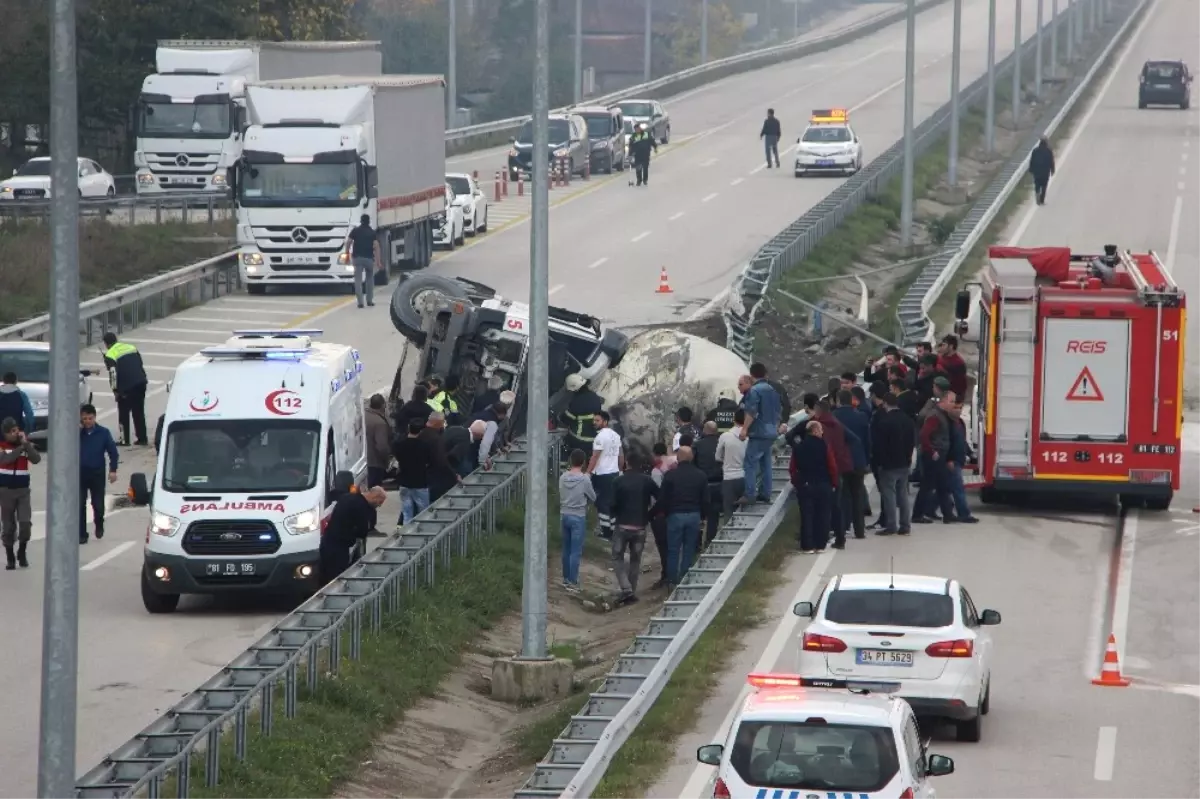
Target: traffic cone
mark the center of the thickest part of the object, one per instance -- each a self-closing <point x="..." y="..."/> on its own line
<point x="1110" y="672"/>
<point x="664" y="286"/>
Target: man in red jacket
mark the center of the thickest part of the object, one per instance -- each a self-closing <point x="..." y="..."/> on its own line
<point x="936" y="486"/>
<point x="955" y="368"/>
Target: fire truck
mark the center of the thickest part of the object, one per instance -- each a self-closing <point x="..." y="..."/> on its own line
<point x="1081" y="374"/>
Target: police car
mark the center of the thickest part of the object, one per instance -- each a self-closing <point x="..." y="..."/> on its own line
<point x="797" y="738"/>
<point x="828" y="144"/>
<point x="925" y="633"/>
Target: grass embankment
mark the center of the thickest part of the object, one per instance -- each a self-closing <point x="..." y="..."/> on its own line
<point x="110" y="256"/>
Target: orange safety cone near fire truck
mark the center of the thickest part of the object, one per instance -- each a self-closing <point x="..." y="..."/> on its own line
<point x="1081" y="379"/>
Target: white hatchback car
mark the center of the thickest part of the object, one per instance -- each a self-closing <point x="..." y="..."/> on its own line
<point x="796" y="738"/>
<point x="32" y="181"/>
<point x="470" y="197"/>
<point x="921" y="632"/>
<point x="449" y="232"/>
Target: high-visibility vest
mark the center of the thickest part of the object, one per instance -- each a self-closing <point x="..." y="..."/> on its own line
<point x="115" y="352"/>
<point x="443" y="403"/>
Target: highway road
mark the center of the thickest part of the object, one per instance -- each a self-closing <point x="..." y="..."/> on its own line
<point x="709" y="206"/>
<point x="1058" y="574"/>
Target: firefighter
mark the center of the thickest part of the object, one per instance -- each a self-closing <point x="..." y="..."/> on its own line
<point x="640" y="146"/>
<point x="581" y="410"/>
<point x="1041" y="166"/>
<point x="723" y="414"/>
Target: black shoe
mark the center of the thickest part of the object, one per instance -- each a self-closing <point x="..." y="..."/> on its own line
<point x="885" y="532"/>
<point x="838" y="545"/>
<point x="922" y="520"/>
<point x="22" y="561"/>
<point x="905" y="532"/>
<point x="99" y="531"/>
<point x="83" y="539"/>
<point x="968" y="520"/>
<point x="370" y="304"/>
<point x="10" y="561"/>
<point x="949" y="520"/>
<point x="141" y="442"/>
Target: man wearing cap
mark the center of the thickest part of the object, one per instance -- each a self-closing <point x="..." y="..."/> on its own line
<point x="722" y="415"/>
<point x="580" y="411"/>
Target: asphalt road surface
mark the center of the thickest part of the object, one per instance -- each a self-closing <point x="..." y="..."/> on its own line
<point x="1058" y="573"/>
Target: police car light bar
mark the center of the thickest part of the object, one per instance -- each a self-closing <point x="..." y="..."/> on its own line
<point x="796" y="681"/>
<point x="829" y="115"/>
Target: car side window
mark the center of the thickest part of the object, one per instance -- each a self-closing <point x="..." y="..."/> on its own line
<point x="914" y="749"/>
<point x="969" y="614"/>
<point x="96" y="168"/>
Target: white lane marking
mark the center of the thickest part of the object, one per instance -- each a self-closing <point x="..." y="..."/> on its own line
<point x="1086" y="119"/>
<point x="178" y="355"/>
<point x="1124" y="588"/>
<point x="310" y="304"/>
<point x="709" y="162"/>
<point x="555" y="289"/>
<point x="639" y="237"/>
<point x="1106" y="751"/>
<point x="675" y="216"/>
<point x="204" y="331"/>
<point x="255" y="310"/>
<point x="736" y="181"/>
<point x="758" y="169"/>
<point x="1182" y="171"/>
<point x="111" y="554"/>
<point x="784" y="634"/>
<point x="1173" y="236"/>
<point x="712" y="196"/>
<point x="248" y="319"/>
<point x="142" y="340"/>
<point x="1180" y="185"/>
<point x="598" y="263"/>
<point x="1183" y="156"/>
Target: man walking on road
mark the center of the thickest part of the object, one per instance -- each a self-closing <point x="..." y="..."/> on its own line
<point x="127" y="376"/>
<point x="95" y="444"/>
<point x="770" y="135"/>
<point x="1041" y="166"/>
<point x="363" y="246"/>
<point x="640" y="146"/>
<point x="16" y="515"/>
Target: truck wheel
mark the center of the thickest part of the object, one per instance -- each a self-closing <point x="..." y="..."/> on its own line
<point x="1160" y="502"/>
<point x="476" y="292"/>
<point x="157" y="603"/>
<point x="412" y="287"/>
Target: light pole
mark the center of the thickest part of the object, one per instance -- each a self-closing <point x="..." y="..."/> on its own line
<point x="955" y="66"/>
<point x="1037" y="66"/>
<point x="1071" y="9"/>
<point x="646" y="41"/>
<point x="906" y="181"/>
<point x="578" y="52"/>
<point x="989" y="122"/>
<point x="704" y="32"/>
<point x="1016" y="75"/>
<point x="795" y="19"/>
<point x="1053" y="38"/>
<point x="452" y="68"/>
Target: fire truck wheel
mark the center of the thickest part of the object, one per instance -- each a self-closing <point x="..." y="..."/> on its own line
<point x="1159" y="503"/>
<point x="988" y="495"/>
<point x="405" y="316"/>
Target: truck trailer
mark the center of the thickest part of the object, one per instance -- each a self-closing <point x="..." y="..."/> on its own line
<point x="191" y="111"/>
<point x="1081" y="374"/>
<point x="319" y="154"/>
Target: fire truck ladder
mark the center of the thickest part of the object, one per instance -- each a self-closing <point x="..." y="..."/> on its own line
<point x="1014" y="382"/>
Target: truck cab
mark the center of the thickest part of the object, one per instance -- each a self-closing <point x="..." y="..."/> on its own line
<point x="254" y="435"/>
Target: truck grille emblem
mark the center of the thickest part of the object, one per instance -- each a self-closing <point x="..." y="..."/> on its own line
<point x="181" y="160"/>
<point x="299" y="235"/>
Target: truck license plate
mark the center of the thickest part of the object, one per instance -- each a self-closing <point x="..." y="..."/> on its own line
<point x="301" y="259"/>
<point x="884" y="657"/>
<point x="182" y="180"/>
<point x="229" y="569"/>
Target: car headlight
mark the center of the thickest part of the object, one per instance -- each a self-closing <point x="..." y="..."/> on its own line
<point x="5" y="189"/>
<point x="252" y="259"/>
<point x="164" y="525"/>
<point x="308" y="521"/>
<point x="601" y="145"/>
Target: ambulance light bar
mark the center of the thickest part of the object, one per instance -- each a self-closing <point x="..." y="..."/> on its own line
<point x="284" y="333"/>
<point x="256" y="353"/>
<point x="826" y="116"/>
<point x="796" y="681"/>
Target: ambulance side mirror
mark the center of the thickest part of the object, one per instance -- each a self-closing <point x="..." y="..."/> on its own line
<point x="710" y="754"/>
<point x="962" y="304"/>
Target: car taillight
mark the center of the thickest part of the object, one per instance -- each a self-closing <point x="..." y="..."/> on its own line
<point x="908" y="794"/>
<point x="961" y="648"/>
<point x="721" y="790"/>
<point x="823" y="643"/>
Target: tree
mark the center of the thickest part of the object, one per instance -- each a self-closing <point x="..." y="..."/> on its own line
<point x="305" y="20"/>
<point x="725" y="34"/>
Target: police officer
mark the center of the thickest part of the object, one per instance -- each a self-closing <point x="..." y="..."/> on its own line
<point x="640" y="145"/>
<point x="723" y="414"/>
<point x="581" y="410"/>
<point x="127" y="376"/>
<point x="443" y="401"/>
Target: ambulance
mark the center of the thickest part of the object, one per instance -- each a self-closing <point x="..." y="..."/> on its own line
<point x="255" y="431"/>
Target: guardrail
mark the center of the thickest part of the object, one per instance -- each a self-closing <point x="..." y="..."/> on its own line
<point x="791" y="246"/>
<point x="192" y="207"/>
<point x="314" y="639"/>
<point x="913" y="310"/>
<point x="141" y="303"/>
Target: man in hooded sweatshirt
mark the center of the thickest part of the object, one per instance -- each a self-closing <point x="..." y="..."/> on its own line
<point x="575" y="491"/>
<point x="1041" y="166"/>
<point x="634" y="494"/>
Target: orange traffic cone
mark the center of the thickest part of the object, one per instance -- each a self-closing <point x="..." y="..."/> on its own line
<point x="1110" y="672"/>
<point x="664" y="286"/>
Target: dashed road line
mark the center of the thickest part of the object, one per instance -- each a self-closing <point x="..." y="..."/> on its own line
<point x="1106" y="751"/>
<point x="639" y="237"/>
<point x="555" y="289"/>
<point x="675" y="216"/>
<point x="598" y="263"/>
<point x="712" y="196"/>
<point x="736" y="181"/>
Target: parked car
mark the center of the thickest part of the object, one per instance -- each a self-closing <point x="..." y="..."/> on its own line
<point x="32" y="181"/>
<point x="471" y="198"/>
<point x="30" y="362"/>
<point x="1165" y="83"/>
<point x="568" y="139"/>
<point x="449" y="232"/>
<point x="657" y="120"/>
<point x="606" y="134"/>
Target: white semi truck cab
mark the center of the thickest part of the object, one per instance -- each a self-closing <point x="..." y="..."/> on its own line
<point x="191" y="112"/>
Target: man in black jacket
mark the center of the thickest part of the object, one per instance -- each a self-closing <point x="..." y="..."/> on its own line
<point x="127" y="376"/>
<point x="893" y="439"/>
<point x="1041" y="166"/>
<point x="633" y="496"/>
<point x="770" y="135"/>
<point x="723" y="413"/>
<point x="684" y="497"/>
<point x="351" y="519"/>
<point x="705" y="451"/>
<point x="442" y="476"/>
<point x="640" y="145"/>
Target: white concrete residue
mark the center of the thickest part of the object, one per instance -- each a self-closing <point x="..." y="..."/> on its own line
<point x="1191" y="437"/>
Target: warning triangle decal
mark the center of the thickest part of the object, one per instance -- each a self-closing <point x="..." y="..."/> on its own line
<point x="1084" y="389"/>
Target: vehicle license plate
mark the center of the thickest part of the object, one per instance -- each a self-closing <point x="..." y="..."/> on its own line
<point x="229" y="569"/>
<point x="824" y="162"/>
<point x="884" y="657"/>
<point x="301" y="259"/>
<point x="182" y="179"/>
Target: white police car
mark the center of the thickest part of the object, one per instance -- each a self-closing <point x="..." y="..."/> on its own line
<point x="828" y="145"/>
<point x="924" y="633"/>
<point x="816" y="739"/>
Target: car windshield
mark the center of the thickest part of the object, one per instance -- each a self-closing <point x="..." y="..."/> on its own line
<point x="1163" y="71"/>
<point x="185" y="120"/>
<point x="327" y="185"/>
<point x="34" y="168"/>
<point x="883" y="607"/>
<point x="636" y="109"/>
<point x="459" y="185"/>
<point x="559" y="132"/>
<point x="599" y="126"/>
<point x="817" y="757"/>
<point x="30" y="366"/>
<point x="241" y="455"/>
<point x="826" y="135"/>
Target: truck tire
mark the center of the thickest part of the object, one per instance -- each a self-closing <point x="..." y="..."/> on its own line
<point x="403" y="308"/>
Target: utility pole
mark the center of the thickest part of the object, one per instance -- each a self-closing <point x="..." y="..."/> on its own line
<point x="1016" y="80"/>
<point x="646" y="41"/>
<point x="452" y="69"/>
<point x="578" y="52"/>
<point x="1037" y="66"/>
<point x="955" y="66"/>
<point x="60" y="603"/>
<point x="704" y="32"/>
<point x="906" y="188"/>
<point x="795" y="19"/>
<point x="537" y="373"/>
<point x="1071" y="9"/>
<point x="1054" y="38"/>
<point x="989" y="123"/>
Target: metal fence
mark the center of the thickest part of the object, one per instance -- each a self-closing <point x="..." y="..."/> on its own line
<point x="214" y="721"/>
<point x="189" y="208"/>
<point x="796" y="242"/>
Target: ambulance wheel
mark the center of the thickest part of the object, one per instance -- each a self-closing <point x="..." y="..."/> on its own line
<point x="157" y="603"/>
<point x="406" y="317"/>
<point x="1160" y="502"/>
<point x="139" y="489"/>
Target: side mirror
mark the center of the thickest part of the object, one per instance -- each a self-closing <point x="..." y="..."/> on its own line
<point x="989" y="618"/>
<point x="804" y="610"/>
<point x="939" y="766"/>
<point x="231" y="179"/>
<point x="962" y="304"/>
<point x="710" y="754"/>
<point x="372" y="175"/>
<point x="85" y="372"/>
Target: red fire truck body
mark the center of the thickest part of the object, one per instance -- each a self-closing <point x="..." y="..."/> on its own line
<point x="1080" y="385"/>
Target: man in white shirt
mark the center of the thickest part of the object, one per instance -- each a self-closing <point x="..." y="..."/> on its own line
<point x="607" y="462"/>
<point x="731" y="451"/>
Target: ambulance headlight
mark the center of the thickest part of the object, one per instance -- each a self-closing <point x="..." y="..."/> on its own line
<point x="308" y="521"/>
<point x="164" y="525"/>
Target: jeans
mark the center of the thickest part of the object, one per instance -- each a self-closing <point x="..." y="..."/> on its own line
<point x="683" y="536"/>
<point x="91" y="481"/>
<point x="574" y="528"/>
<point x="934" y="493"/>
<point x="364" y="280"/>
<point x="893" y="495"/>
<point x="958" y="491"/>
<point x="602" y="484"/>
<point x="771" y="145"/>
<point x="412" y="502"/>
<point x="757" y="466"/>
<point x="816" y="502"/>
<point x="633" y="540"/>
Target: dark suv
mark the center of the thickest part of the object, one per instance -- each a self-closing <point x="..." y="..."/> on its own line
<point x="606" y="131"/>
<point x="568" y="140"/>
<point x="1165" y="83"/>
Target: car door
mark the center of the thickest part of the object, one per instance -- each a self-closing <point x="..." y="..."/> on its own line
<point x="914" y="756"/>
<point x="102" y="179"/>
<point x="983" y="636"/>
<point x="85" y="179"/>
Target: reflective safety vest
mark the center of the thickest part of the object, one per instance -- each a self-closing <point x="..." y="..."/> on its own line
<point x="115" y="353"/>
<point x="16" y="473"/>
<point x="580" y="415"/>
<point x="443" y="403"/>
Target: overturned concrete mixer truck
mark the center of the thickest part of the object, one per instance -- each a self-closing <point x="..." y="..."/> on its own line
<point x="459" y="327"/>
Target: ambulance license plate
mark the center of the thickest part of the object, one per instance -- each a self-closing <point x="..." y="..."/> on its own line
<point x="229" y="569"/>
<point x="824" y="162"/>
<point x="883" y="657"/>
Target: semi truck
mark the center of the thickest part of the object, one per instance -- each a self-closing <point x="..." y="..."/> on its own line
<point x="322" y="152"/>
<point x="191" y="111"/>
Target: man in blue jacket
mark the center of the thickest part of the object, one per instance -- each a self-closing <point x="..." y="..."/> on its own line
<point x="762" y="406"/>
<point x="15" y="404"/>
<point x="95" y="442"/>
<point x="858" y="437"/>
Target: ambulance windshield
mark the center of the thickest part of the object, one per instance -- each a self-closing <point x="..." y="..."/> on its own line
<point x="241" y="455"/>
